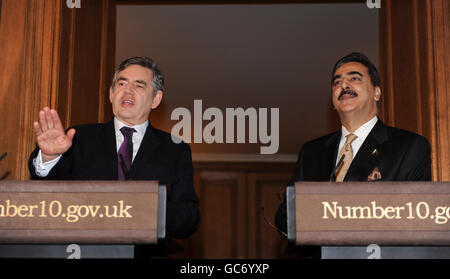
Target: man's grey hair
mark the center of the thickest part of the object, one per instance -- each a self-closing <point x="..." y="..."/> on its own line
<point x="158" y="78"/>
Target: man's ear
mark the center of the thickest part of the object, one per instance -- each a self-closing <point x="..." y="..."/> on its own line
<point x="157" y="99"/>
<point x="110" y="94"/>
<point x="377" y="95"/>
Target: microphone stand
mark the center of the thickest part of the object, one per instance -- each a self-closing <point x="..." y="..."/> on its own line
<point x="7" y="173"/>
<point x="333" y="173"/>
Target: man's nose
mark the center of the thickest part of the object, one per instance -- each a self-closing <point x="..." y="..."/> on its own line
<point x="129" y="88"/>
<point x="345" y="84"/>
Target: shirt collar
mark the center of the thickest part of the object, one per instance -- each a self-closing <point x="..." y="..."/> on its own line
<point x="363" y="131"/>
<point x="140" y="128"/>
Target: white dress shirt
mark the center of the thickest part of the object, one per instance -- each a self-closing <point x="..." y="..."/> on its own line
<point x="43" y="169"/>
<point x="361" y="133"/>
<point x="137" y="136"/>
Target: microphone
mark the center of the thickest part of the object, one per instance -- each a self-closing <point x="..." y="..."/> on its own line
<point x="123" y="166"/>
<point x="3" y="155"/>
<point x="272" y="225"/>
<point x="333" y="173"/>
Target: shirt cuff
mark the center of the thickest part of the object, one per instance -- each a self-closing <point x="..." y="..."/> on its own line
<point x="43" y="169"/>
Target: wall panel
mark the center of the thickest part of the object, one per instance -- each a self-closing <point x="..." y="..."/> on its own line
<point x="29" y="35"/>
<point x="265" y="191"/>
<point x="231" y="196"/>
<point x="414" y="38"/>
<point x="52" y="56"/>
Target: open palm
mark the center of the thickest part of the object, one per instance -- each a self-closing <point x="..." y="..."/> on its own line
<point x="50" y="135"/>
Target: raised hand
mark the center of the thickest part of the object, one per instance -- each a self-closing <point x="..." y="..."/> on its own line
<point x="50" y="135"/>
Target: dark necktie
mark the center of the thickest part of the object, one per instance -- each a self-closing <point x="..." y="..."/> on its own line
<point x="125" y="154"/>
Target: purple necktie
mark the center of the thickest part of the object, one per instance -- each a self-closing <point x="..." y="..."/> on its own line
<point x="125" y="154"/>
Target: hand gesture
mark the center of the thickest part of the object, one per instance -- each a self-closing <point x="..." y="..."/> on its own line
<point x="50" y="135"/>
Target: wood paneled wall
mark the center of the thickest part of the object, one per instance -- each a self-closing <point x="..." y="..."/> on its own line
<point x="60" y="57"/>
<point x="439" y="15"/>
<point x="415" y="61"/>
<point x="232" y="196"/>
<point x="87" y="57"/>
<point x="29" y="36"/>
<point x="52" y="56"/>
<point x="414" y="42"/>
<point x="64" y="58"/>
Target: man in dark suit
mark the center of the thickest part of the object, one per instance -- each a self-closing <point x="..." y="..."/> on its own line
<point x="125" y="148"/>
<point x="364" y="149"/>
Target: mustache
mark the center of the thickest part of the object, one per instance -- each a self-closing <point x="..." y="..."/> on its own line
<point x="350" y="92"/>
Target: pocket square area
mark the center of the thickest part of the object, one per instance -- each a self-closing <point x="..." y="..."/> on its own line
<point x="374" y="175"/>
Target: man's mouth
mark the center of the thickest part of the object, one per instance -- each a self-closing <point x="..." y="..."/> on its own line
<point x="128" y="102"/>
<point x="347" y="94"/>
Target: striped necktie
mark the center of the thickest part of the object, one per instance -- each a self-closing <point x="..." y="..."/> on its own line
<point x="348" y="152"/>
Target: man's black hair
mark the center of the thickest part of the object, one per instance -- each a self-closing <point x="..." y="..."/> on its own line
<point x="360" y="58"/>
<point x="158" y="78"/>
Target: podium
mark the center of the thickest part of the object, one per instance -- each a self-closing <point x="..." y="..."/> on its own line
<point x="371" y="219"/>
<point x="87" y="219"/>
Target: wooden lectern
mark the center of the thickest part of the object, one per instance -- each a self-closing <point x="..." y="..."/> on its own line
<point x="354" y="219"/>
<point x="41" y="218"/>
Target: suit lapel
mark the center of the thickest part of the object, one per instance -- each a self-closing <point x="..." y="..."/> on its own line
<point x="366" y="159"/>
<point x="331" y="149"/>
<point x="148" y="146"/>
<point x="108" y="139"/>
